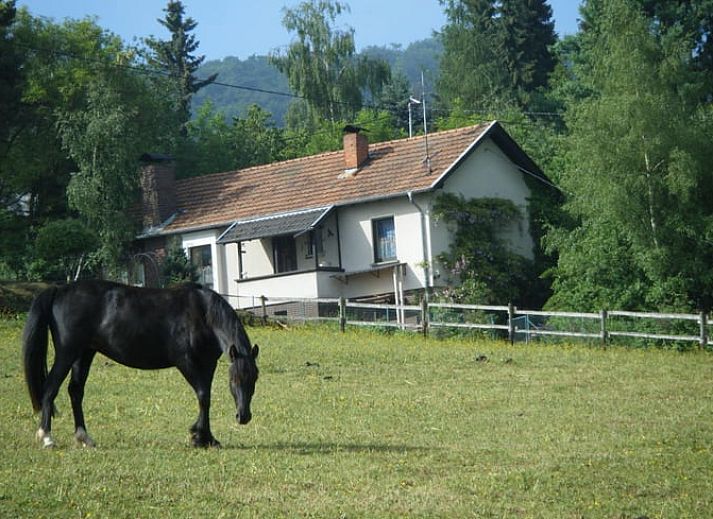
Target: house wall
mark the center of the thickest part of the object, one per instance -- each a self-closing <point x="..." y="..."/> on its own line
<point x="355" y="230"/>
<point x="487" y="173"/>
<point x="209" y="237"/>
<point x="329" y="257"/>
<point x="257" y="258"/>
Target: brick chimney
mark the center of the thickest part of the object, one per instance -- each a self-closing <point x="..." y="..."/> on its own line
<point x="356" y="149"/>
<point x="158" y="188"/>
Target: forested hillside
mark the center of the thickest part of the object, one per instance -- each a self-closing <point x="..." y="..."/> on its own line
<point x="251" y="78"/>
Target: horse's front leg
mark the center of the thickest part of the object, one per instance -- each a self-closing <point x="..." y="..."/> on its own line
<point x="200" y="430"/>
<point x="201" y="379"/>
<point x="80" y="371"/>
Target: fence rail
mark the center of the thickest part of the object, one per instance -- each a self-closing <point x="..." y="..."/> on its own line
<point x="518" y="323"/>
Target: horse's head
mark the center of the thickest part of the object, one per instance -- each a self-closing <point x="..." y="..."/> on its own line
<point x="243" y="375"/>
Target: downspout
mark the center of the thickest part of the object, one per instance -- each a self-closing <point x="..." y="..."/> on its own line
<point x="424" y="244"/>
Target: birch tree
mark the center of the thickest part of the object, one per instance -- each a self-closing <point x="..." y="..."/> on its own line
<point x="638" y="175"/>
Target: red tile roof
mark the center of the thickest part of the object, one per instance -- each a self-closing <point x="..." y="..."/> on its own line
<point x="393" y="168"/>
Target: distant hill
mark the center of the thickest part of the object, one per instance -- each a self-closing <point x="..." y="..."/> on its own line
<point x="254" y="72"/>
<point x="257" y="73"/>
<point x="422" y="55"/>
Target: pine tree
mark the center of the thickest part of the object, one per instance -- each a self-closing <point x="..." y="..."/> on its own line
<point x="527" y="32"/>
<point x="472" y="69"/>
<point x="176" y="57"/>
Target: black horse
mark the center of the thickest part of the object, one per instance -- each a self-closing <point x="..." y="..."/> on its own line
<point x="188" y="327"/>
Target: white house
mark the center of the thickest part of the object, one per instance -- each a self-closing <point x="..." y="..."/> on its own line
<point x="356" y="223"/>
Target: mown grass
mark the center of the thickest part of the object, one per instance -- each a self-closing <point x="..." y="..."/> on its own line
<point x="369" y="425"/>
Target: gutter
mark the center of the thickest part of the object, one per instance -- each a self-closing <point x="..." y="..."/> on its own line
<point x="424" y="244"/>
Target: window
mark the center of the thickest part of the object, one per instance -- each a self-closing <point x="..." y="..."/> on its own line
<point x="203" y="261"/>
<point x="384" y="236"/>
<point x="284" y="254"/>
<point x="314" y="241"/>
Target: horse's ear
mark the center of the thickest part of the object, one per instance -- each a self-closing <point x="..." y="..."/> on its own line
<point x="233" y="352"/>
<point x="256" y="350"/>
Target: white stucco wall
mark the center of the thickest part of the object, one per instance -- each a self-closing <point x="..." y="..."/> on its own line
<point x="209" y="237"/>
<point x="355" y="230"/>
<point x="489" y="173"/>
<point x="257" y="258"/>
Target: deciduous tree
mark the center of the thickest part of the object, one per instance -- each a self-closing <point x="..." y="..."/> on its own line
<point x="638" y="174"/>
<point x="322" y="65"/>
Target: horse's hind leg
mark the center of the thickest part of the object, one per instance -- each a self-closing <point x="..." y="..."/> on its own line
<point x="55" y="377"/>
<point x="80" y="371"/>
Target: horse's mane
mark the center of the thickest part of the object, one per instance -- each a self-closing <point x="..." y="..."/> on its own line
<point x="222" y="316"/>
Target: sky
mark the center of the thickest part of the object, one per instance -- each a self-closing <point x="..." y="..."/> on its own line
<point x="243" y="28"/>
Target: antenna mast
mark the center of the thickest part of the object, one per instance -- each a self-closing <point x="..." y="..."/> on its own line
<point x="425" y="124"/>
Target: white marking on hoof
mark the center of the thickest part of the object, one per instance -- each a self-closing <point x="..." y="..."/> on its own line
<point x="45" y="438"/>
<point x="83" y="438"/>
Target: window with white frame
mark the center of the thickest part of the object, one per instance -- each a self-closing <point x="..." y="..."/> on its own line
<point x="202" y="259"/>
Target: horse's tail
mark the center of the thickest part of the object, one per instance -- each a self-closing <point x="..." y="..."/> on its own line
<point x="34" y="346"/>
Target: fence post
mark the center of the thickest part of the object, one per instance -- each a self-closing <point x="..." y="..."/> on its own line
<point x="342" y="314"/>
<point x="603" y="316"/>
<point x="424" y="316"/>
<point x="703" y="320"/>
<point x="511" y="323"/>
<point x="263" y="299"/>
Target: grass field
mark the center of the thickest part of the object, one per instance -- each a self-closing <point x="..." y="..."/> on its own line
<point x="369" y="425"/>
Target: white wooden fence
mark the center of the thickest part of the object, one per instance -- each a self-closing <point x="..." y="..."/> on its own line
<point x="508" y="321"/>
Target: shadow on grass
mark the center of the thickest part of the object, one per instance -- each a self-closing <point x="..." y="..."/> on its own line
<point x="329" y="448"/>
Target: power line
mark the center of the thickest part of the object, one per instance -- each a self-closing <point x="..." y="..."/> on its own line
<point x="152" y="70"/>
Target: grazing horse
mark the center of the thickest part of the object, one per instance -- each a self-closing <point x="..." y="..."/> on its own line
<point x="188" y="327"/>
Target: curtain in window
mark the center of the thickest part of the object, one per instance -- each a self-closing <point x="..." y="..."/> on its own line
<point x="385" y="239"/>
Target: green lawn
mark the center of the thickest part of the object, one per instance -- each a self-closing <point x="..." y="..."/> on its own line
<point x="369" y="425"/>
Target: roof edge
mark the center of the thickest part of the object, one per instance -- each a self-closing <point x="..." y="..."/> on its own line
<point x="507" y="145"/>
<point x="442" y="177"/>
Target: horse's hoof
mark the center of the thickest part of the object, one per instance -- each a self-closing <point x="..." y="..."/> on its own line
<point x="87" y="444"/>
<point x="204" y="443"/>
<point x="46" y="439"/>
<point x="83" y="438"/>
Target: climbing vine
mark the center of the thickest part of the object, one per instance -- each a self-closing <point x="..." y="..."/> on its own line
<point x="480" y="266"/>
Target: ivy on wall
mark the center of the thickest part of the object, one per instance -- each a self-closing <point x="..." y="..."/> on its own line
<point x="479" y="263"/>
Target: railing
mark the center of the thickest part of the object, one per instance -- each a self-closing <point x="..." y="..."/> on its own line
<point x="508" y="321"/>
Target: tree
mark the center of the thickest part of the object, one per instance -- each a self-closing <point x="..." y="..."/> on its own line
<point x="528" y="33"/>
<point x="11" y="76"/>
<point x="495" y="53"/>
<point x="120" y="120"/>
<point x="56" y="61"/>
<point x="176" y="268"/>
<point x="63" y="249"/>
<point x="255" y="139"/>
<point x="486" y="271"/>
<point x="208" y="144"/>
<point x="175" y="56"/>
<point x="637" y="174"/>
<point x="471" y="64"/>
<point x="322" y="65"/>
<point x="394" y="100"/>
<point x="692" y="20"/>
